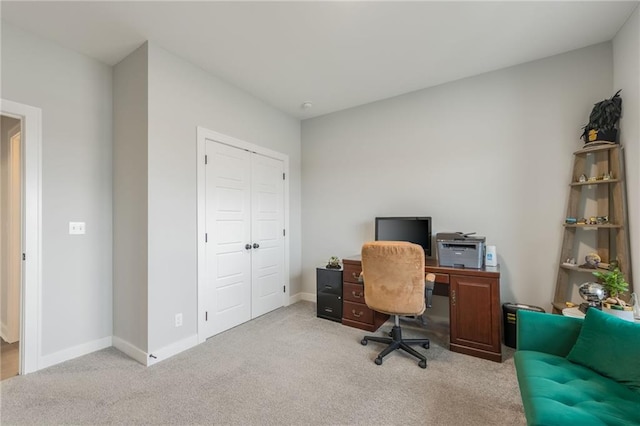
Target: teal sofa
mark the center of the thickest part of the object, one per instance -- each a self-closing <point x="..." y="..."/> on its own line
<point x="578" y="372"/>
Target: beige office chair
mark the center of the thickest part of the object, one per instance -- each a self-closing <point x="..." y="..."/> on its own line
<point x="394" y="283"/>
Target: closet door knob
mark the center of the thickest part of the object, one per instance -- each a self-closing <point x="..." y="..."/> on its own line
<point x="247" y="246"/>
<point x="256" y="245"/>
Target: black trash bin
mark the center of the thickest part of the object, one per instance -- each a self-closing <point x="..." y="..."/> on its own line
<point x="509" y="311"/>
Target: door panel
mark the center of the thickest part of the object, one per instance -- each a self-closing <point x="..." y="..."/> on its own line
<point x="244" y="205"/>
<point x="228" y="215"/>
<point x="267" y="232"/>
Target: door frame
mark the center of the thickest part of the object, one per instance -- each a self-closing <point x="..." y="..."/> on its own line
<point x="30" y="291"/>
<point x="202" y="135"/>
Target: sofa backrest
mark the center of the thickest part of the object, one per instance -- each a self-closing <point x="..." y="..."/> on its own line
<point x="548" y="333"/>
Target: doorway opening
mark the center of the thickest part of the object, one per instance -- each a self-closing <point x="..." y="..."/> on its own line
<point x="10" y="243"/>
<point x="29" y="233"/>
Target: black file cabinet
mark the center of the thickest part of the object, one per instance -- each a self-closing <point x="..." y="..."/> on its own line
<point x="329" y="293"/>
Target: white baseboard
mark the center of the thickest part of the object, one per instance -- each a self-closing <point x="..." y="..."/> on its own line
<point x="309" y="297"/>
<point x="171" y="350"/>
<point x="74" y="352"/>
<point x="130" y="350"/>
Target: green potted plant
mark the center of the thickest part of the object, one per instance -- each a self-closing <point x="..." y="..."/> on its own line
<point x="603" y="120"/>
<point x="615" y="285"/>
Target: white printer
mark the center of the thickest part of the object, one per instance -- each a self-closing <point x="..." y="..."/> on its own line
<point x="459" y="250"/>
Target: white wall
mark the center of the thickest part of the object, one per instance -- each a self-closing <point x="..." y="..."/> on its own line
<point x="626" y="76"/>
<point x="490" y="154"/>
<point x="130" y="181"/>
<point x="182" y="97"/>
<point x="74" y="93"/>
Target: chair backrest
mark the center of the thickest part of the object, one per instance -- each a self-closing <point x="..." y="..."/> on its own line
<point x="394" y="277"/>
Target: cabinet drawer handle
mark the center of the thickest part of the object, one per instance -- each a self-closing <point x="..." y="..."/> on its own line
<point x="453" y="297"/>
<point x="356" y="275"/>
<point x="328" y="309"/>
<point x="357" y="315"/>
<point x="328" y="287"/>
<point x="356" y="295"/>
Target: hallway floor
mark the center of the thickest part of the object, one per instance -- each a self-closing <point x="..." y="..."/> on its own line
<point x="8" y="359"/>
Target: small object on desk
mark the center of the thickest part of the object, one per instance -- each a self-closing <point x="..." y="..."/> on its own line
<point x="334" y="263"/>
<point x="570" y="304"/>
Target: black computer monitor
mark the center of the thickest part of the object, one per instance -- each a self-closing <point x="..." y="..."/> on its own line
<point x="416" y="230"/>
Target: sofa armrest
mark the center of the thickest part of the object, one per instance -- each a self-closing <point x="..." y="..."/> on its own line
<point x="548" y="333"/>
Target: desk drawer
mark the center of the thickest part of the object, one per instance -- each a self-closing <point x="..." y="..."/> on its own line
<point x="353" y="292"/>
<point x="441" y="278"/>
<point x="357" y="312"/>
<point x="351" y="273"/>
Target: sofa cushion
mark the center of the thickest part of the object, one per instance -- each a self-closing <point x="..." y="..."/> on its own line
<point x="557" y="391"/>
<point x="610" y="346"/>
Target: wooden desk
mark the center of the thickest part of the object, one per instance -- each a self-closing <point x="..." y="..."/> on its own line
<point x="474" y="306"/>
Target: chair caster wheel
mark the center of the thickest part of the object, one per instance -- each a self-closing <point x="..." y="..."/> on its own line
<point x="378" y="361"/>
<point x="422" y="364"/>
<point x="425" y="345"/>
<point x="364" y="342"/>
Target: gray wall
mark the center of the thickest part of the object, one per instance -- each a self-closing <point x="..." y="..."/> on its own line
<point x="130" y="180"/>
<point x="74" y="93"/>
<point x="626" y="76"/>
<point x="490" y="154"/>
<point x="182" y="97"/>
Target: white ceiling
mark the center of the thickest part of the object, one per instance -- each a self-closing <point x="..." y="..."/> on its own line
<point x="334" y="54"/>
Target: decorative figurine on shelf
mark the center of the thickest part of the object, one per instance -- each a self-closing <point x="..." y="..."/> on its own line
<point x="603" y="121"/>
<point x="583" y="178"/>
<point x="570" y="221"/>
<point x="593" y="293"/>
<point x="591" y="261"/>
<point x="334" y="263"/>
<point x="606" y="176"/>
<point x="602" y="220"/>
<point x="582" y="221"/>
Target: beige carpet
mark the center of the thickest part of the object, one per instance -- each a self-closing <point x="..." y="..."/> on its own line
<point x="286" y="367"/>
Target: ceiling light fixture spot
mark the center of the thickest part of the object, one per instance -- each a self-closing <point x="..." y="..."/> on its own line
<point x="306" y="105"/>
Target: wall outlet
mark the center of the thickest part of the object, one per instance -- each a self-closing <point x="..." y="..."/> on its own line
<point x="76" y="228"/>
<point x="178" y="320"/>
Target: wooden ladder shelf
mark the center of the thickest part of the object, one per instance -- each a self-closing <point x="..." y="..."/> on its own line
<point x="601" y="197"/>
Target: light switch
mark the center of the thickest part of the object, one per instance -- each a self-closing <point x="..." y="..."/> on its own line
<point x="76" y="228"/>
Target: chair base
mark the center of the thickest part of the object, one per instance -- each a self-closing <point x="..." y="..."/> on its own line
<point x="397" y="342"/>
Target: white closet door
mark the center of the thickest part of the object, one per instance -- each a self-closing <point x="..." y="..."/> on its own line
<point x="267" y="224"/>
<point x="228" y="225"/>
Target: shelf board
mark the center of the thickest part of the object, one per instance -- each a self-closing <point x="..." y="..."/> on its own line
<point x="604" y="225"/>
<point x="559" y="306"/>
<point x="594" y="182"/>
<point x="579" y="269"/>
<point x="604" y="147"/>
